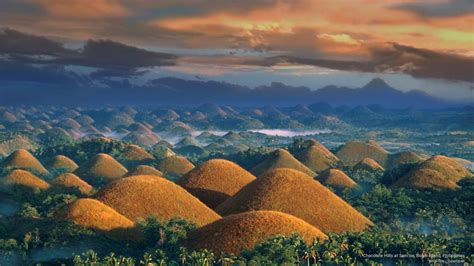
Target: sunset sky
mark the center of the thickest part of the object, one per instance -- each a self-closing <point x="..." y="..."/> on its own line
<point x="412" y="44"/>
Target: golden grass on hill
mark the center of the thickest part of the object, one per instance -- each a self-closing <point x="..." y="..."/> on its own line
<point x="15" y="143"/>
<point x="215" y="181"/>
<point x="175" y="165"/>
<point x="145" y="170"/>
<point x="101" y="166"/>
<point x="353" y="152"/>
<point x="405" y="157"/>
<point x="22" y="159"/>
<point x="317" y="157"/>
<point x="61" y="162"/>
<point x="437" y="172"/>
<point x="94" y="214"/>
<point x="280" y="159"/>
<point x="368" y="164"/>
<point x="136" y="153"/>
<point x="236" y="232"/>
<point x="70" y="180"/>
<point x="138" y="197"/>
<point x="336" y="178"/>
<point x="298" y="194"/>
<point x="25" y="178"/>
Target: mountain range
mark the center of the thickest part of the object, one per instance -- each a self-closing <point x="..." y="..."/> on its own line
<point x="170" y="91"/>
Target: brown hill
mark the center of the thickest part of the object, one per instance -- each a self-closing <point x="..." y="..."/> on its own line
<point x="22" y="159"/>
<point x="175" y="165"/>
<point x="25" y="178"/>
<point x="280" y="159"/>
<point x="315" y="156"/>
<point x="336" y="178"/>
<point x="133" y="152"/>
<point x="147" y="140"/>
<point x="145" y="170"/>
<point x="138" y="197"/>
<point x="368" y="164"/>
<point x="437" y="172"/>
<point x="401" y="158"/>
<point x="101" y="167"/>
<point x="70" y="180"/>
<point x="237" y="232"/>
<point x="17" y="142"/>
<point x="215" y="181"/>
<point x="61" y="162"/>
<point x="94" y="214"/>
<point x="295" y="193"/>
<point x="353" y="152"/>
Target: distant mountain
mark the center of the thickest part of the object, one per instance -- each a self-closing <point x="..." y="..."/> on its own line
<point x="174" y="91"/>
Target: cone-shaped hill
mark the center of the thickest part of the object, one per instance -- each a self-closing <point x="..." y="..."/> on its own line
<point x="134" y="155"/>
<point x="138" y="197"/>
<point x="315" y="156"/>
<point x="24" y="178"/>
<point x="215" y="181"/>
<point x="280" y="159"/>
<point x="100" y="168"/>
<point x="94" y="214"/>
<point x="295" y="193"/>
<point x="237" y="232"/>
<point x="401" y="158"/>
<point x="61" y="162"/>
<point x="336" y="178"/>
<point x="353" y="152"/>
<point x="175" y="165"/>
<point x="22" y="159"/>
<point x="368" y="164"/>
<point x="70" y="180"/>
<point x="437" y="172"/>
<point x="144" y="170"/>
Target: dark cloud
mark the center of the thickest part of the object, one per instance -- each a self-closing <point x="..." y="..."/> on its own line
<point x="15" y="42"/>
<point x="395" y="58"/>
<point x="444" y="9"/>
<point x="111" y="58"/>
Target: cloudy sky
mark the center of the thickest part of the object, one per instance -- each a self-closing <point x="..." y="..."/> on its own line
<point x="412" y="44"/>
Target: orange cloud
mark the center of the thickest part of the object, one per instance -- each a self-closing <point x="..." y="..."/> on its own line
<point x="84" y="9"/>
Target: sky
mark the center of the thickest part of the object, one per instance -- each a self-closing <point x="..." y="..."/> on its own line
<point x="412" y="44"/>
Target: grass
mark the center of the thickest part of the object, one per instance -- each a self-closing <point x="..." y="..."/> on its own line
<point x="138" y="197"/>
<point x="437" y="172"/>
<point x="70" y="180"/>
<point x="175" y="165"/>
<point x="353" y="152"/>
<point x="101" y="167"/>
<point x="280" y="159"/>
<point x="368" y="164"/>
<point x="298" y="194"/>
<point x="336" y="178"/>
<point x="234" y="233"/>
<point x="315" y="156"/>
<point x="215" y="180"/>
<point x="61" y="162"/>
<point x="25" y="178"/>
<point x="22" y="159"/>
<point x="145" y="170"/>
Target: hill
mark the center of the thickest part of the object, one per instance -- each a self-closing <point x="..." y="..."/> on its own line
<point x="70" y="180"/>
<point x="237" y="232"/>
<point x="280" y="159"/>
<point x="315" y="156"/>
<point x="368" y="164"/>
<point x="175" y="165"/>
<point x="61" y="163"/>
<point x="439" y="172"/>
<point x="215" y="180"/>
<point x="401" y="158"/>
<point x="24" y="178"/>
<point x="138" y="197"/>
<point x="298" y="194"/>
<point x="336" y="178"/>
<point x="101" y="168"/>
<point x="22" y="159"/>
<point x="353" y="152"/>
<point x="145" y="170"/>
<point x="94" y="214"/>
